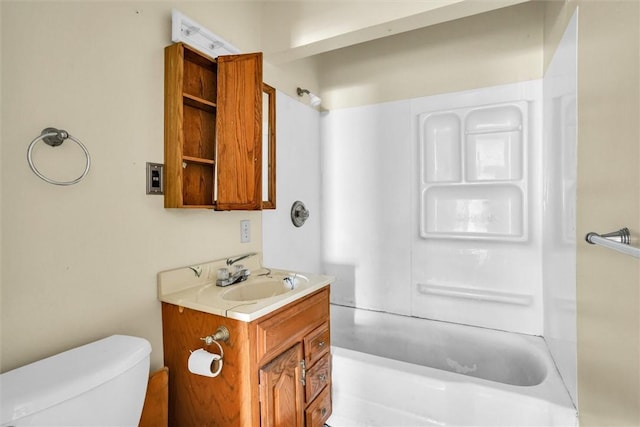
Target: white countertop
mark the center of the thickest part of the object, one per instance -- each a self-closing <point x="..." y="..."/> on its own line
<point x="195" y="287"/>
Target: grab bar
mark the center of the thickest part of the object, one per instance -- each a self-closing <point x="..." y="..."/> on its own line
<point x="616" y="240"/>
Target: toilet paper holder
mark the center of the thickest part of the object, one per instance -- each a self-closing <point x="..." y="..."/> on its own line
<point x="206" y="363"/>
<point x="221" y="334"/>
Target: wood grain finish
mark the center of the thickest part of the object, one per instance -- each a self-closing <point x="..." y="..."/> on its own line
<point x="199" y="132"/>
<point x="213" y="117"/>
<point x="155" y="411"/>
<point x="173" y="125"/>
<point x="270" y="201"/>
<point x="317" y="343"/>
<point x="281" y="390"/>
<point x="319" y="410"/>
<point x="318" y="376"/>
<point x="199" y="76"/>
<point x="197" y="184"/>
<point x="281" y="330"/>
<point x="194" y="400"/>
<point x="239" y="132"/>
<point x="252" y="353"/>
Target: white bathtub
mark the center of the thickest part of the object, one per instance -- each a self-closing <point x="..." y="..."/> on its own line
<point x="391" y="370"/>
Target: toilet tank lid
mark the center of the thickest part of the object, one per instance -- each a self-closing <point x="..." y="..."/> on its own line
<point x="47" y="382"/>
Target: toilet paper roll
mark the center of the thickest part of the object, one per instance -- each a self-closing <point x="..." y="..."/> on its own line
<point x="201" y="362"/>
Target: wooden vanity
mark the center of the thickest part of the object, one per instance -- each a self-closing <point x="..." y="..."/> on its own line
<point x="276" y="368"/>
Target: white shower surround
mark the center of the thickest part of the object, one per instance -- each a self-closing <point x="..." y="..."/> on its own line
<point x="371" y="219"/>
<point x="364" y="228"/>
<point x="559" y="208"/>
<point x="286" y="246"/>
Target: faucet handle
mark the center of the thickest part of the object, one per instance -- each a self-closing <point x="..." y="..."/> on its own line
<point x="223" y="273"/>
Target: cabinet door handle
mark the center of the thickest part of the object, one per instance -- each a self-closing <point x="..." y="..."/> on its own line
<point x="322" y="377"/>
<point x="323" y="411"/>
<point x="321" y="344"/>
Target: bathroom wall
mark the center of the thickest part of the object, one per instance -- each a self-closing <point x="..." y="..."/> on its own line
<point x="298" y="178"/>
<point x="559" y="206"/>
<point x="607" y="198"/>
<point x="493" y="48"/>
<point x="608" y="194"/>
<point x="80" y="262"/>
<point x="1" y="228"/>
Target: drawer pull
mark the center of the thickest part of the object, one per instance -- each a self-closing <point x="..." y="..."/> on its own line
<point x="321" y="344"/>
<point x="323" y="411"/>
<point x="322" y="378"/>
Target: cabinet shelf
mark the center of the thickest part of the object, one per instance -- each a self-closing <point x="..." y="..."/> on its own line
<point x="473" y="167"/>
<point x="198" y="160"/>
<point x="200" y="103"/>
<point x="491" y="131"/>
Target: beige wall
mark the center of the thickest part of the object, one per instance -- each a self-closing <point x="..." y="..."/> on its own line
<point x="608" y="198"/>
<point x="80" y="262"/>
<point x="498" y="47"/>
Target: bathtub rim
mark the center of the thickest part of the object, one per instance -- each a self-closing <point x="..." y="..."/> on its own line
<point x="551" y="390"/>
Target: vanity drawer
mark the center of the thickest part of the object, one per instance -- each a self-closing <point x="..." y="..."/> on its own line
<point x="317" y="343"/>
<point x="318" y="412"/>
<point x="284" y="328"/>
<point x="318" y="377"/>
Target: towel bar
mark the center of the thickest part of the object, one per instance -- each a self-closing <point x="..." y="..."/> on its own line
<point x="616" y="240"/>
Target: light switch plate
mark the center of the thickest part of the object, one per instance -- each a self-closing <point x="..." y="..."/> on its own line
<point x="155" y="178"/>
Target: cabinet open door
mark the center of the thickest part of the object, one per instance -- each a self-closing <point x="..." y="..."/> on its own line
<point x="239" y="132"/>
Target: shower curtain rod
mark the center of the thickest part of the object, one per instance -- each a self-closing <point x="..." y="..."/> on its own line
<point x="616" y="240"/>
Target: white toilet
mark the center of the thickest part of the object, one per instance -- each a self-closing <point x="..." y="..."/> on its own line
<point x="99" y="384"/>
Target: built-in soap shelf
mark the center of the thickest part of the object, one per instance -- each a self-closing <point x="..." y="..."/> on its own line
<point x="473" y="172"/>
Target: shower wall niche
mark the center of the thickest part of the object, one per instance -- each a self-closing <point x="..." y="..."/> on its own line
<point x="473" y="169"/>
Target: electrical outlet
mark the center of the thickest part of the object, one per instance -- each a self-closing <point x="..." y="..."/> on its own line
<point x="245" y="231"/>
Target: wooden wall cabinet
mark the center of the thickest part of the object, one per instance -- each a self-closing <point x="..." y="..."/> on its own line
<point x="213" y="130"/>
<point x="276" y="372"/>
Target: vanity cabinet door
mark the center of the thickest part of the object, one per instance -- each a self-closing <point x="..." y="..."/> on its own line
<point x="282" y="391"/>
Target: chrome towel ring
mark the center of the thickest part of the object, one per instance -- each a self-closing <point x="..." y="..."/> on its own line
<point x="55" y="137"/>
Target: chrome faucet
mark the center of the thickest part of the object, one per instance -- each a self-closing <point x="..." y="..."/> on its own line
<point x="231" y="261"/>
<point x="239" y="274"/>
<point x="226" y="278"/>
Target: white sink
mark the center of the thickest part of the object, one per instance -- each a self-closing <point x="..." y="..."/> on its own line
<point x="264" y="291"/>
<point x="257" y="288"/>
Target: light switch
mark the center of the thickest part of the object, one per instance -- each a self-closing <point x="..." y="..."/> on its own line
<point x="155" y="180"/>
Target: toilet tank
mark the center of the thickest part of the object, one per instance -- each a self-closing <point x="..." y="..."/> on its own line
<point x="98" y="384"/>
